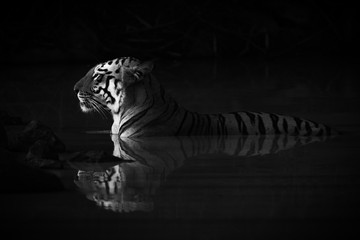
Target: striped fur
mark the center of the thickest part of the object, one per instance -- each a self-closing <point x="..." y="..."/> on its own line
<point x="141" y="107"/>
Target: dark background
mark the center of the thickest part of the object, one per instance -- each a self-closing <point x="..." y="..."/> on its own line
<point x="94" y="31"/>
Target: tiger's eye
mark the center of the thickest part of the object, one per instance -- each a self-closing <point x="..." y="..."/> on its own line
<point x="94" y="89"/>
<point x="98" y="78"/>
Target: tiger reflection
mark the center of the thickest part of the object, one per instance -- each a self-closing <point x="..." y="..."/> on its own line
<point x="122" y="188"/>
<point x="144" y="163"/>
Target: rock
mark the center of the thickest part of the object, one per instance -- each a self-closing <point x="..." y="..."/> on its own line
<point x="35" y="131"/>
<point x="39" y="143"/>
<point x="24" y="151"/>
<point x="40" y="155"/>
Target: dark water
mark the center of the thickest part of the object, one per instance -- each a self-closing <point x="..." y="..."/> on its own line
<point x="194" y="188"/>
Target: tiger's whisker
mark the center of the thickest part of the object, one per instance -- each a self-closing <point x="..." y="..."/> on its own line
<point x="100" y="110"/>
<point x="101" y="107"/>
<point x="97" y="108"/>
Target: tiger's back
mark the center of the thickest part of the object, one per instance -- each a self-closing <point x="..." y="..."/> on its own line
<point x="252" y="123"/>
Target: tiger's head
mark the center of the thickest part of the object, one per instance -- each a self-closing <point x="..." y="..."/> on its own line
<point x="103" y="87"/>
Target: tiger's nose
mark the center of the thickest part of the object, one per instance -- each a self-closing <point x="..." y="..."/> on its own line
<point x="76" y="88"/>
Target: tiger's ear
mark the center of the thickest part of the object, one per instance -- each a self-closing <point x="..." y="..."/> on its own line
<point x="143" y="69"/>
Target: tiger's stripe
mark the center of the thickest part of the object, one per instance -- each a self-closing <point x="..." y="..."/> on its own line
<point x="249" y="123"/>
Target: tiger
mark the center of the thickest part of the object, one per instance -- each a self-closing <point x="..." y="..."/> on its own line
<point x="131" y="183"/>
<point x="140" y="107"/>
